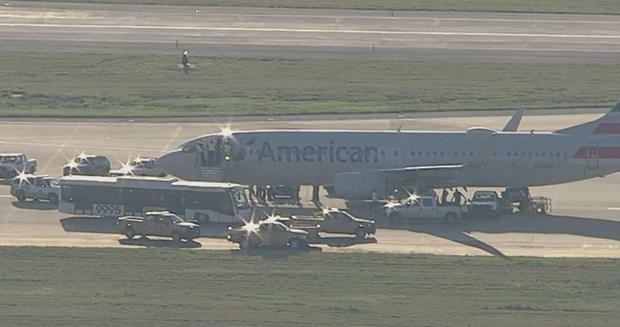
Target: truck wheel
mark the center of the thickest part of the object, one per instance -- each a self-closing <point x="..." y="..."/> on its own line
<point x="360" y="233"/>
<point x="21" y="196"/>
<point x="176" y="236"/>
<point x="450" y="217"/>
<point x="130" y="232"/>
<point x="296" y="244"/>
<point x="53" y="198"/>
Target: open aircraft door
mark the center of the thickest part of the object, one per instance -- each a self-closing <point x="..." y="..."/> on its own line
<point x="592" y="156"/>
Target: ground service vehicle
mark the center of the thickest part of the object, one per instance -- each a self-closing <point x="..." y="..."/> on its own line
<point x="139" y="167"/>
<point x="422" y="208"/>
<point x="486" y="204"/>
<point x="85" y="164"/>
<point x="36" y="188"/>
<point x="11" y="164"/>
<point x="267" y="234"/>
<point x="132" y="195"/>
<point x="336" y="222"/>
<point x="521" y="198"/>
<point x="162" y="223"/>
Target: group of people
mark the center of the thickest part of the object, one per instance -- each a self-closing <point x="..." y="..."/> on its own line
<point x="457" y="197"/>
<point x="215" y="151"/>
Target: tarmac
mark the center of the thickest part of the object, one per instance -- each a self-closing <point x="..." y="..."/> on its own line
<point x="293" y="33"/>
<point x="585" y="220"/>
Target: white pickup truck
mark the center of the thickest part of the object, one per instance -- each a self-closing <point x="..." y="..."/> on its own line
<point x="422" y="208"/>
<point x="12" y="164"/>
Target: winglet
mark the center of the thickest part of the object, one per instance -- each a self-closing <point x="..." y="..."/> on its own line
<point x="480" y="158"/>
<point x="514" y="122"/>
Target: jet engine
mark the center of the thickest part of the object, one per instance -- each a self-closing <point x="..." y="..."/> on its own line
<point x="356" y="185"/>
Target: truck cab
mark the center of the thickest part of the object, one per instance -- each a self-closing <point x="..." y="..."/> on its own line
<point x="421" y="208"/>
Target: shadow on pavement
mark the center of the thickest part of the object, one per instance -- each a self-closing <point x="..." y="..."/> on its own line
<point x="342" y="241"/>
<point x="147" y="242"/>
<point x="517" y="223"/>
<point x="276" y="253"/>
<point x="89" y="225"/>
<point x="35" y="205"/>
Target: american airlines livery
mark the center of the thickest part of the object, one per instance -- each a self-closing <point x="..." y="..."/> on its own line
<point x="355" y="164"/>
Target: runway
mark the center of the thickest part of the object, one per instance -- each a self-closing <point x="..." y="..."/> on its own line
<point x="585" y="220"/>
<point x="275" y="32"/>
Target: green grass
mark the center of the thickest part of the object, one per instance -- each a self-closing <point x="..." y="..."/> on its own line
<point x="114" y="85"/>
<point x="544" y="6"/>
<point x="157" y="287"/>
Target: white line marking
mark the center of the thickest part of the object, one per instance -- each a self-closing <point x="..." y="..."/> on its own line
<point x="5" y="196"/>
<point x="298" y="30"/>
<point x="614" y="208"/>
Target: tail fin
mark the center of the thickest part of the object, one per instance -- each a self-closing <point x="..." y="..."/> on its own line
<point x="608" y="124"/>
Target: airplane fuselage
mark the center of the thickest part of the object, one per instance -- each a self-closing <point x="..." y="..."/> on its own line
<point x="317" y="157"/>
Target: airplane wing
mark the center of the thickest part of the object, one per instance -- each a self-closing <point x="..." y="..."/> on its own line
<point x="437" y="173"/>
<point x="514" y="122"/>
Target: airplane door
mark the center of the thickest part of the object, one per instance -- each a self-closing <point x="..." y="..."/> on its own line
<point x="592" y="156"/>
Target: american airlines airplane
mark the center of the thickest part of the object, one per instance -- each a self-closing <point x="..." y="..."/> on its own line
<point x="355" y="164"/>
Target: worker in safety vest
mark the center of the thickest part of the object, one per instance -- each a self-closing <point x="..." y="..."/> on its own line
<point x="211" y="153"/>
<point x="227" y="150"/>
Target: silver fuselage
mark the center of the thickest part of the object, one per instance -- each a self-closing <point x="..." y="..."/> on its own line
<point x="315" y="157"/>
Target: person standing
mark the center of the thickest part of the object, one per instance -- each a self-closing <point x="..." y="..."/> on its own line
<point x="227" y="150"/>
<point x="211" y="153"/>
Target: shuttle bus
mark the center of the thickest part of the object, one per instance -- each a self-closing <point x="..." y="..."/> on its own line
<point x="131" y="195"/>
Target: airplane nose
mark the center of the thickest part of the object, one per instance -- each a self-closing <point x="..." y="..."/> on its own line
<point x="176" y="163"/>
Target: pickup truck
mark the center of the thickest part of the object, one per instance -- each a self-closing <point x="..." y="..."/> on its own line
<point x="158" y="223"/>
<point x="422" y="208"/>
<point x="12" y="164"/>
<point x="337" y="222"/>
<point x="486" y="204"/>
<point x="35" y="187"/>
<point x="268" y="233"/>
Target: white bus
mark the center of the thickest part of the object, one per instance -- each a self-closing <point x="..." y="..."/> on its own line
<point x="131" y="195"/>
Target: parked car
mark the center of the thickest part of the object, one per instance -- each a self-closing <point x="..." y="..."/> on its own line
<point x="84" y="164"/>
<point x="158" y="223"/>
<point x="35" y="187"/>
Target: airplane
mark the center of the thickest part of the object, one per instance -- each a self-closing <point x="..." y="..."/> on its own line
<point x="354" y="164"/>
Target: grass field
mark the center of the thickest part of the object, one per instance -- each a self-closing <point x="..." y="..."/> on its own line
<point x="157" y="287"/>
<point x="114" y="85"/>
<point x="546" y="6"/>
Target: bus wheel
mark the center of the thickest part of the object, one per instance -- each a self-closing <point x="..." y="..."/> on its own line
<point x="176" y="236"/>
<point x="21" y="196"/>
<point x="130" y="232"/>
